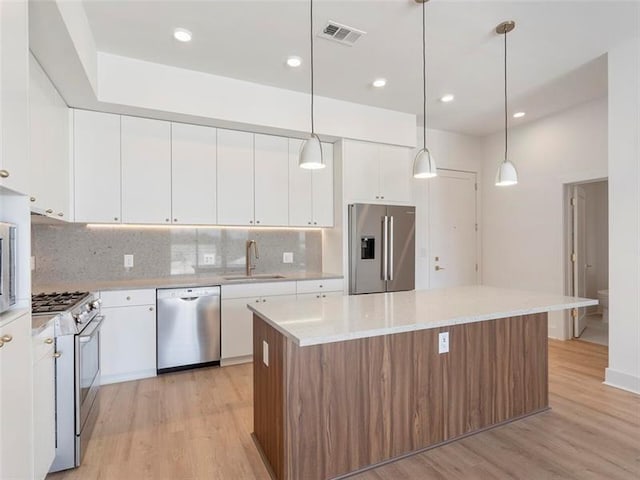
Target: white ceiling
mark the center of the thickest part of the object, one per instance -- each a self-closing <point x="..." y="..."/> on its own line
<point x="555" y="53"/>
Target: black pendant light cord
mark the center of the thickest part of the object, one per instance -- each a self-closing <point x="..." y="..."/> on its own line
<point x="424" y="78"/>
<point x="505" y="97"/>
<point x="311" y="38"/>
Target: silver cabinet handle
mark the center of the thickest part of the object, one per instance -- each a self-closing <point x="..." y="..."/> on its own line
<point x="60" y="214"/>
<point x="175" y="219"/>
<point x="33" y="199"/>
<point x="57" y="355"/>
<point x="167" y="219"/>
<point x="48" y="211"/>
<point x="49" y="341"/>
<point x="151" y="309"/>
<point x="4" y="173"/>
<point x="6" y="338"/>
<point x="115" y="218"/>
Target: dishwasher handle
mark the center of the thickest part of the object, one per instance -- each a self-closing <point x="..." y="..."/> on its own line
<point x="187" y="294"/>
<point x="189" y="299"/>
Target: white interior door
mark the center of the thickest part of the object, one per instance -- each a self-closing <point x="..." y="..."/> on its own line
<point x="452" y="229"/>
<point x="579" y="256"/>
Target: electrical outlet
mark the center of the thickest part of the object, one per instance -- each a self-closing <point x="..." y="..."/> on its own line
<point x="33" y="263"/>
<point x="287" y="257"/>
<point x="265" y="353"/>
<point x="128" y="261"/>
<point x="209" y="258"/>
<point x="443" y="342"/>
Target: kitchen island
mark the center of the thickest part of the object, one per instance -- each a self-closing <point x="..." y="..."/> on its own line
<point x="350" y="382"/>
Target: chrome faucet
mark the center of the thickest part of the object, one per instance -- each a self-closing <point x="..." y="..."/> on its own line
<point x="250" y="267"/>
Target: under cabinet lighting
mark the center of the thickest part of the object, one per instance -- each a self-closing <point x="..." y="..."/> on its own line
<point x="182" y="35"/>
<point x="449" y="97"/>
<point x="211" y="227"/>
<point x="379" y="82"/>
<point x="519" y="115"/>
<point x="294" y="61"/>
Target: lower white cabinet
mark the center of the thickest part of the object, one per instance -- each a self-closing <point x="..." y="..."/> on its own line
<point x="44" y="405"/>
<point x="128" y="337"/>
<point x="16" y="383"/>
<point x="320" y="295"/>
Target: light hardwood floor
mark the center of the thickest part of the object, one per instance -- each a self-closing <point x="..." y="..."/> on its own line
<point x="197" y="424"/>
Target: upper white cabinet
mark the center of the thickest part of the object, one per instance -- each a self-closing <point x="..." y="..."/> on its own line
<point x="14" y="94"/>
<point x="146" y="170"/>
<point x="310" y="191"/>
<point x="235" y="177"/>
<point x="49" y="138"/>
<point x="377" y="173"/>
<point x="271" y="179"/>
<point x="193" y="174"/>
<point x="96" y="151"/>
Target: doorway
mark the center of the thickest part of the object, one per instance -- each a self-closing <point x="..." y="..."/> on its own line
<point x="453" y="229"/>
<point x="588" y="244"/>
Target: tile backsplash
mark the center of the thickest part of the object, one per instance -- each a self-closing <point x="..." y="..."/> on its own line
<point x="72" y="253"/>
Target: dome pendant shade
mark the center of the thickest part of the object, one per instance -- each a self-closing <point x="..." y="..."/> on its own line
<point x="424" y="166"/>
<point x="506" y="174"/>
<point x="311" y="154"/>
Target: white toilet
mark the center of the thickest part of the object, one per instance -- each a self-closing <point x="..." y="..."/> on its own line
<point x="603" y="298"/>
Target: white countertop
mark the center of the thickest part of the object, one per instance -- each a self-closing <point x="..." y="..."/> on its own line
<point x="175" y="281"/>
<point x="334" y="319"/>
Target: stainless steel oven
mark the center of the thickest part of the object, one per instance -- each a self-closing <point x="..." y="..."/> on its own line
<point x="7" y="266"/>
<point x="87" y="371"/>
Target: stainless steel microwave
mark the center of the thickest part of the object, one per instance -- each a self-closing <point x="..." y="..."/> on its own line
<point x="7" y="266"/>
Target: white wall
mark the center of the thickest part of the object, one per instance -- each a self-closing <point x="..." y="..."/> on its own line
<point x="597" y="237"/>
<point x="523" y="226"/>
<point x="451" y="151"/>
<point x="624" y="216"/>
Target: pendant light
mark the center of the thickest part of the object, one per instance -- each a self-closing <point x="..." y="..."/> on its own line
<point x="424" y="166"/>
<point x="311" y="150"/>
<point x="506" y="174"/>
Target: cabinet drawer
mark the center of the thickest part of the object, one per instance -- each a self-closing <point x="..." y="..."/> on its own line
<point x="258" y="289"/>
<point x="318" y="286"/>
<point x="43" y="343"/>
<point x="127" y="298"/>
<point x="319" y="295"/>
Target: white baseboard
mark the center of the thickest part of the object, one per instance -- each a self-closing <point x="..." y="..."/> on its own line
<point x="226" y="362"/>
<point x="127" y="377"/>
<point x="622" y="380"/>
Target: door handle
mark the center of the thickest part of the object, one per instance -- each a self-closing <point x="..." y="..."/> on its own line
<point x="385" y="242"/>
<point x="438" y="268"/>
<point x="390" y="249"/>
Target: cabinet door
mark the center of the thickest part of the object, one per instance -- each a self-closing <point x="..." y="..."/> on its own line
<point x="322" y="190"/>
<point x="193" y="174"/>
<point x="271" y="173"/>
<point x="49" y="139"/>
<point x="396" y="167"/>
<point x="15" y="399"/>
<point x="146" y="170"/>
<point x="96" y="152"/>
<point x="235" y="178"/>
<point x="300" y="190"/>
<point x="14" y="96"/>
<point x="361" y="171"/>
<point x="128" y="343"/>
<point x="237" y="327"/>
<point x="44" y="414"/>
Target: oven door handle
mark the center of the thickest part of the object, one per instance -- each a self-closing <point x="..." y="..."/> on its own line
<point x="92" y="330"/>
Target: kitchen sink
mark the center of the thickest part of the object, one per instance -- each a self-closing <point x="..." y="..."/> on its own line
<point x="244" y="278"/>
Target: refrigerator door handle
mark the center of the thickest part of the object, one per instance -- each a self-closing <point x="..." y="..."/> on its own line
<point x="385" y="242"/>
<point x="390" y="249"/>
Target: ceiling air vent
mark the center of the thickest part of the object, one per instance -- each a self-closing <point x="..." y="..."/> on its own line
<point x="341" y="33"/>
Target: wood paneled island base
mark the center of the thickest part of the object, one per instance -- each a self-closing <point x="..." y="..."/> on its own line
<point x="329" y="410"/>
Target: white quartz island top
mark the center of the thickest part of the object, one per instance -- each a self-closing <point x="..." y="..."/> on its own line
<point x="334" y="319"/>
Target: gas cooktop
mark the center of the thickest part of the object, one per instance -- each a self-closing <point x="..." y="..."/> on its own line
<point x="47" y="303"/>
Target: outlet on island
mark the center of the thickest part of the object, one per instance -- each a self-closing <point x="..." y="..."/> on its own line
<point x="209" y="259"/>
<point x="287" y="257"/>
<point x="128" y="261"/>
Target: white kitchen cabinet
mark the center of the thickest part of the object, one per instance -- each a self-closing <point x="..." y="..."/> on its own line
<point x="310" y="191"/>
<point x="237" y="326"/>
<point x="49" y="138"/>
<point x="97" y="172"/>
<point x="14" y="95"/>
<point x="44" y="406"/>
<point x="235" y="178"/>
<point x="320" y="295"/>
<point x="16" y="384"/>
<point x="193" y="174"/>
<point x="271" y="180"/>
<point x="377" y="173"/>
<point x="146" y="170"/>
<point x="128" y="336"/>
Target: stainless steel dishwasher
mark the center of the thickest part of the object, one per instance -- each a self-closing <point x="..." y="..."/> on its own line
<point x="188" y="328"/>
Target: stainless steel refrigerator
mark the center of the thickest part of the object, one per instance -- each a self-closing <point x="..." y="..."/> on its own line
<point x="381" y="248"/>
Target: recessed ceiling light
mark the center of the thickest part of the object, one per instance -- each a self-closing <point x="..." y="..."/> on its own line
<point x="379" y="82"/>
<point x="182" y="35"/>
<point x="294" y="61"/>
<point x="519" y="115"/>
<point x="447" y="98"/>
